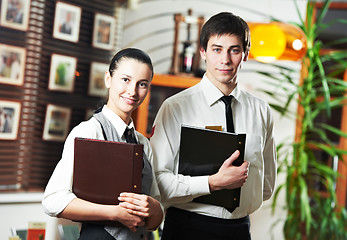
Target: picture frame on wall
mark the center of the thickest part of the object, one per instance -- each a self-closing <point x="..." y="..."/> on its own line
<point x="104" y="30"/>
<point x="12" y="64"/>
<point x="57" y="122"/>
<point x="97" y="86"/>
<point x="9" y="119"/>
<point x="67" y="19"/>
<point x="62" y="73"/>
<point x="15" y="14"/>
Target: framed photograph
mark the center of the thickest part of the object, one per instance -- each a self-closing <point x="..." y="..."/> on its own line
<point x="12" y="62"/>
<point x="9" y="119"/>
<point x="97" y="86"/>
<point x="67" y="20"/>
<point x="56" y="123"/>
<point x="103" y="33"/>
<point x="15" y="14"/>
<point x="62" y="73"/>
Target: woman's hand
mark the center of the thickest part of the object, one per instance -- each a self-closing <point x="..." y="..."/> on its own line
<point x="81" y="210"/>
<point x="142" y="206"/>
<point x="128" y="219"/>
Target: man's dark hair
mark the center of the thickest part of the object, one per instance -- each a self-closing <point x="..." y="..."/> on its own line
<point x="225" y="23"/>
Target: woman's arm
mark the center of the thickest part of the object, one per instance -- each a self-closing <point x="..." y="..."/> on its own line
<point x="81" y="210"/>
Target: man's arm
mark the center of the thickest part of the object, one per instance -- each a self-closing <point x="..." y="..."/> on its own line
<point x="178" y="188"/>
<point x="270" y="160"/>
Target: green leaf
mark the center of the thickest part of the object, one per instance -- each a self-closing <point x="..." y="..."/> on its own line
<point x="304" y="204"/>
<point x="335" y="130"/>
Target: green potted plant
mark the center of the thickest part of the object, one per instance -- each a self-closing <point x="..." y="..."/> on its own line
<point x="310" y="195"/>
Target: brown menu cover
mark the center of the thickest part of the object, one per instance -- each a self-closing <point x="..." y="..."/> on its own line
<point x="202" y="152"/>
<point x="104" y="169"/>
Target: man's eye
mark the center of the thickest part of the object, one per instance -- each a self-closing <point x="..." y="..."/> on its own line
<point x="216" y="50"/>
<point x="235" y="50"/>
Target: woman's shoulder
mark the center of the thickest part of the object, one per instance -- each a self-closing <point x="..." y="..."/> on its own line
<point x="87" y="129"/>
<point x="144" y="140"/>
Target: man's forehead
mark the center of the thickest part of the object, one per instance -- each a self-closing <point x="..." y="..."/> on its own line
<point x="225" y="40"/>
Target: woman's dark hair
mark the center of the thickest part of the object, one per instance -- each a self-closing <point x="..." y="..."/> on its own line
<point x="130" y="53"/>
<point x="226" y="23"/>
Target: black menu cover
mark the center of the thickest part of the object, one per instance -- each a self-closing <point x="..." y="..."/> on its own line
<point x="202" y="152"/>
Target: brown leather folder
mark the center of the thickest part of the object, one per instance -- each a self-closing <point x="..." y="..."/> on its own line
<point x="202" y="152"/>
<point x="104" y="169"/>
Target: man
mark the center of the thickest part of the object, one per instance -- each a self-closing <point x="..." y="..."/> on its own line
<point x="224" y="45"/>
<point x="66" y="26"/>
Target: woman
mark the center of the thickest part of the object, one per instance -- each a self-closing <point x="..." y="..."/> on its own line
<point x="128" y="80"/>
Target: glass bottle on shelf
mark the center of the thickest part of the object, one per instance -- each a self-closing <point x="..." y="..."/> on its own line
<point x="188" y="51"/>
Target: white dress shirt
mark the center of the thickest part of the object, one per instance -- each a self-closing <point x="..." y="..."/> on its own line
<point x="201" y="106"/>
<point x="58" y="193"/>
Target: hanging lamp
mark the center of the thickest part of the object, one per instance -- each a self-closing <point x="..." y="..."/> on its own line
<point x="276" y="41"/>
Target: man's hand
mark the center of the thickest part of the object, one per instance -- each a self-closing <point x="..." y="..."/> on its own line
<point x="229" y="176"/>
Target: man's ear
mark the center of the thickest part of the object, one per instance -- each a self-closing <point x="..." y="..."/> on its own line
<point x="203" y="53"/>
<point x="245" y="58"/>
<point x="107" y="79"/>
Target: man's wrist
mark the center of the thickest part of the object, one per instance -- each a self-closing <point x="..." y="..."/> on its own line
<point x="212" y="183"/>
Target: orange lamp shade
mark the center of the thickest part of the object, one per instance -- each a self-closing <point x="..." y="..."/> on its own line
<point x="276" y="41"/>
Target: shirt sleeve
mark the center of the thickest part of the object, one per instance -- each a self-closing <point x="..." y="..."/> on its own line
<point x="270" y="160"/>
<point x="174" y="187"/>
<point x="58" y="193"/>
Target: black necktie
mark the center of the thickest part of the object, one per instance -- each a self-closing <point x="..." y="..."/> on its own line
<point x="230" y="128"/>
<point x="130" y="135"/>
<point x="228" y="113"/>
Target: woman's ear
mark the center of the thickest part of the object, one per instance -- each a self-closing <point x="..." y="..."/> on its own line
<point x="108" y="79"/>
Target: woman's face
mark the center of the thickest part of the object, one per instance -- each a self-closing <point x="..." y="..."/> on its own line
<point x="128" y="87"/>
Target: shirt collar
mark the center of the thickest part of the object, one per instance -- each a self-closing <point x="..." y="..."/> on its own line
<point x="116" y="121"/>
<point x="213" y="94"/>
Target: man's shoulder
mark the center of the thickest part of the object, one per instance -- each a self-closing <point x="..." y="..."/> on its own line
<point x="183" y="95"/>
<point x="251" y="98"/>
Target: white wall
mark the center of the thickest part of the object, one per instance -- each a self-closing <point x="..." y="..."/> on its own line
<point x="150" y="27"/>
<point x="18" y="209"/>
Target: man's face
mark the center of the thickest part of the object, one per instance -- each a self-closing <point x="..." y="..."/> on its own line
<point x="223" y="56"/>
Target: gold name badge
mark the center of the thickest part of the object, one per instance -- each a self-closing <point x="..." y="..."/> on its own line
<point x="217" y="128"/>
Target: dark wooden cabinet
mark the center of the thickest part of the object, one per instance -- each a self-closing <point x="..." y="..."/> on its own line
<point x="162" y="87"/>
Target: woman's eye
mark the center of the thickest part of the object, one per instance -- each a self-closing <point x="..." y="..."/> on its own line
<point x="143" y="84"/>
<point x="125" y="79"/>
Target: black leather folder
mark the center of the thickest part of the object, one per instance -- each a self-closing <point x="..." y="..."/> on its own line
<point x="202" y="152"/>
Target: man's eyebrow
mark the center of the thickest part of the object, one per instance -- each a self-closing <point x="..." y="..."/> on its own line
<point x="232" y="46"/>
<point x="216" y="45"/>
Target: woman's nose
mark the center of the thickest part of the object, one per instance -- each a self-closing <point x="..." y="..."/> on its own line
<point x="132" y="89"/>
